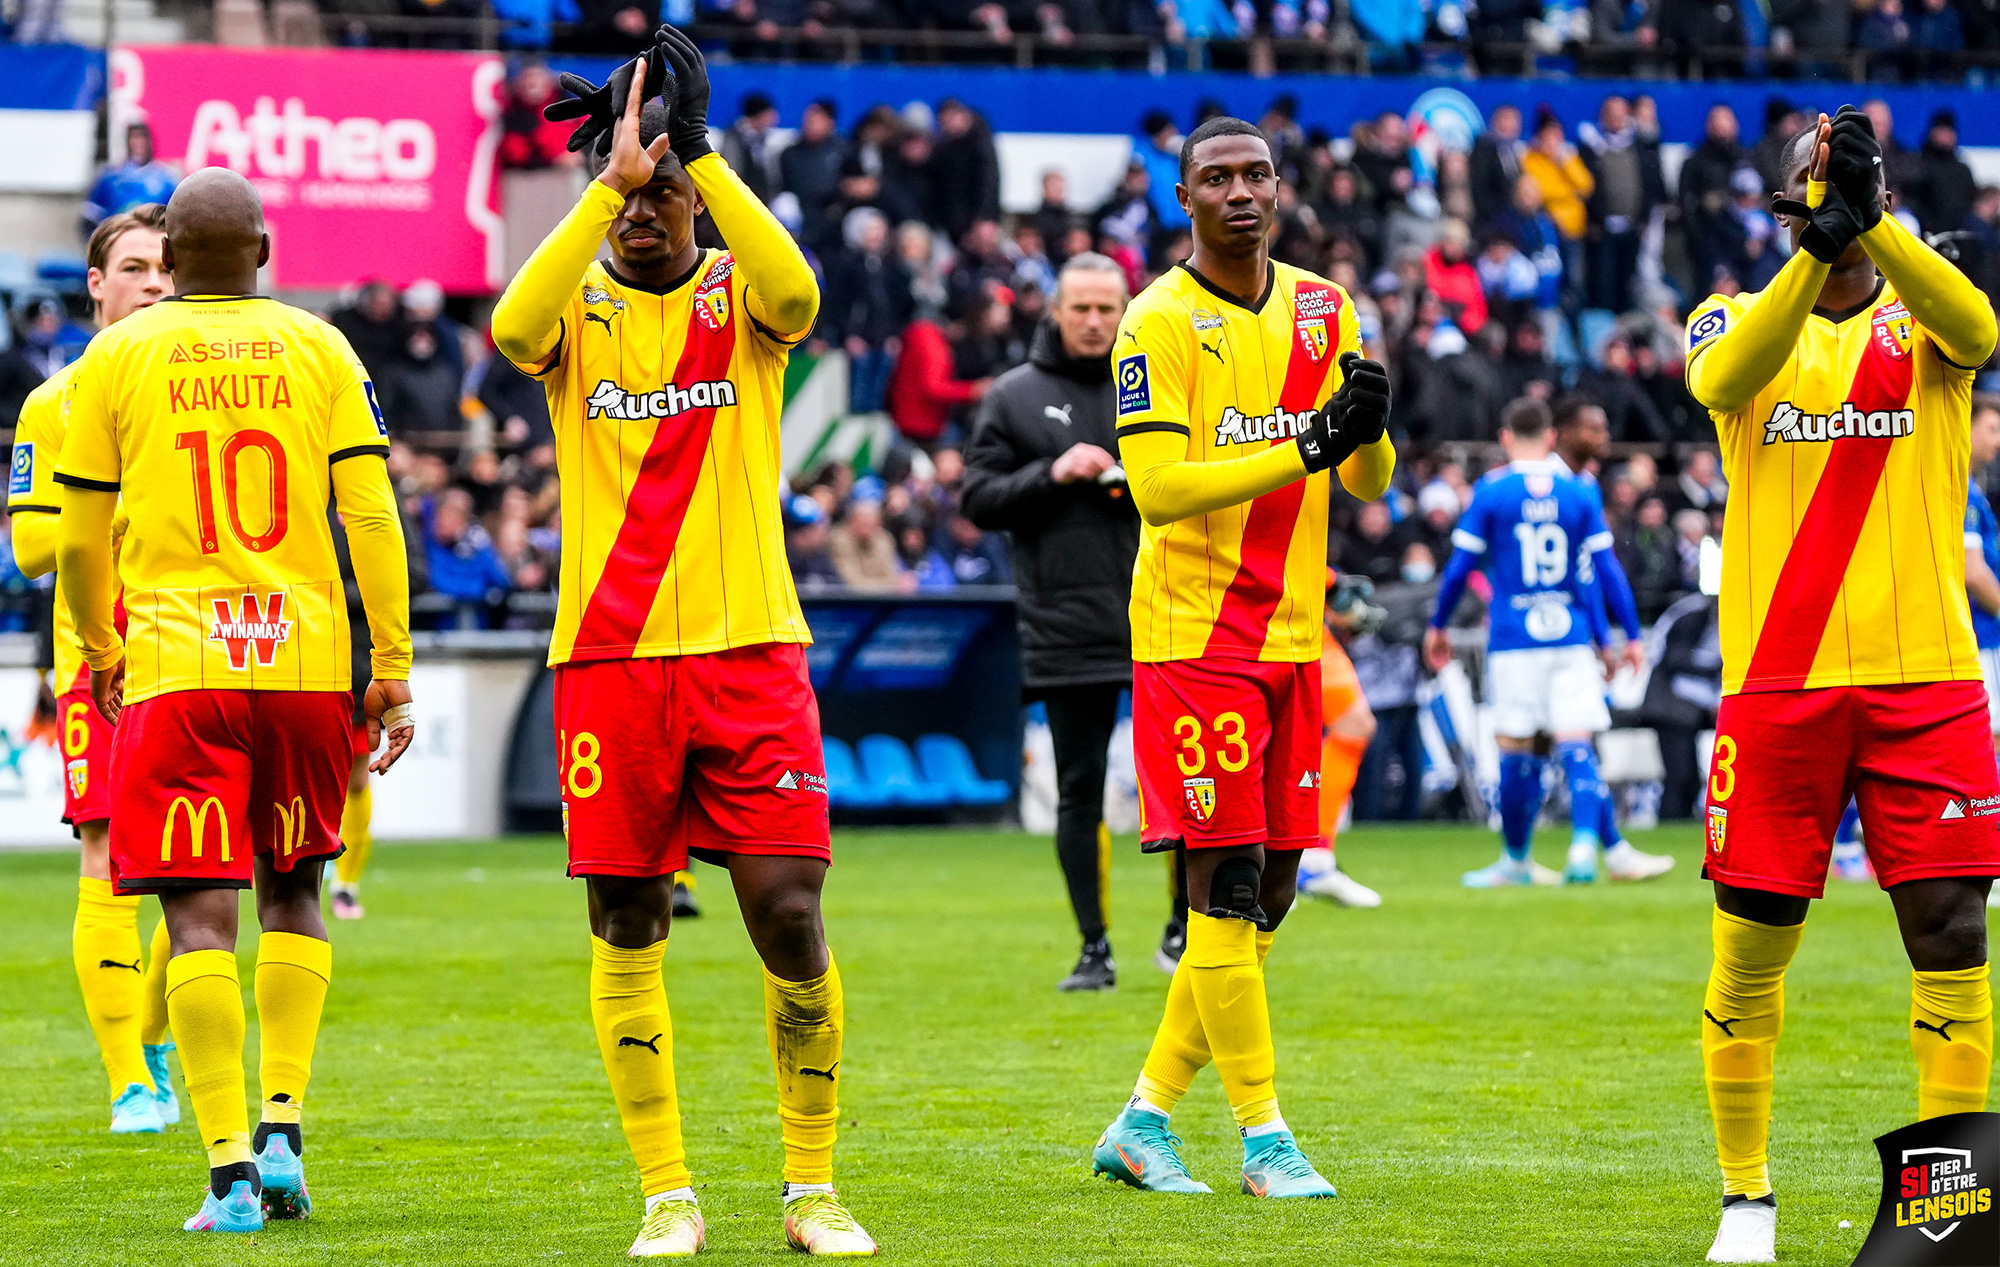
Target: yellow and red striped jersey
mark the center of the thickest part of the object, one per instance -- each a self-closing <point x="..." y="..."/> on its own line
<point x="666" y="410"/>
<point x="1843" y="554"/>
<point x="219" y="420"/>
<point x="1247" y="581"/>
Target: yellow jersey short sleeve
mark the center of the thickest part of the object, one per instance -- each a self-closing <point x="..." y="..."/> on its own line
<point x="1842" y="548"/>
<point x="218" y="419"/>
<point x="666" y="409"/>
<point x="1247" y="581"/>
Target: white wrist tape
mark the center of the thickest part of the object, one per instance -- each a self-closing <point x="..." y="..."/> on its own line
<point x="401" y="717"/>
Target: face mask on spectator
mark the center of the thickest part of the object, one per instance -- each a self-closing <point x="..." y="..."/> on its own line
<point x="1418" y="572"/>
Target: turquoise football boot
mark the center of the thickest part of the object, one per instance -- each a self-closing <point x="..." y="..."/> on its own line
<point x="1504" y="874"/>
<point x="282" y="1172"/>
<point x="1137" y="1148"/>
<point x="240" y="1211"/>
<point x="136" y="1112"/>
<point x="1273" y="1166"/>
<point x="163" y="1082"/>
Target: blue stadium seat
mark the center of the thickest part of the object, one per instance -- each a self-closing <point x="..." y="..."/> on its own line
<point x="886" y="761"/>
<point x="845" y="788"/>
<point x="944" y="759"/>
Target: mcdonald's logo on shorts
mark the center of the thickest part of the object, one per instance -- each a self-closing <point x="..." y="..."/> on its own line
<point x="291" y="822"/>
<point x="197" y="826"/>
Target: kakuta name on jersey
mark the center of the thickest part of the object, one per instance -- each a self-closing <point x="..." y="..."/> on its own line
<point x="610" y="400"/>
<point x="228" y="391"/>
<point x="1238" y="427"/>
<point x="1789" y="424"/>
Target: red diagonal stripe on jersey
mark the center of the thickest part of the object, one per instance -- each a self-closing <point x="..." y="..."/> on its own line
<point x="615" y="615"/>
<point x="1810" y="580"/>
<point x="1244" y="619"/>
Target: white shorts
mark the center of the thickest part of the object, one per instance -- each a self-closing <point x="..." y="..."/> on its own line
<point x="1989" y="668"/>
<point x="1546" y="690"/>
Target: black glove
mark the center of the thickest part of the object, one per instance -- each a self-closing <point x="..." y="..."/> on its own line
<point x="1357" y="415"/>
<point x="689" y="109"/>
<point x="601" y="107"/>
<point x="1831" y="227"/>
<point x="1854" y="163"/>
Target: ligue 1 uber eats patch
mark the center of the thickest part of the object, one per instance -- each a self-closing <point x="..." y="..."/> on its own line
<point x="1937" y="1195"/>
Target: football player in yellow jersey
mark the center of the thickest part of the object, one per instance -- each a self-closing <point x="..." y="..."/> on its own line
<point x="229" y="420"/>
<point x="686" y="720"/>
<point x="124" y="995"/>
<point x="1841" y="395"/>
<point x="1240" y="385"/>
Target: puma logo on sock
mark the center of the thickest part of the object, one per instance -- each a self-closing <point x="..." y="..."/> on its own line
<point x="650" y="1044"/>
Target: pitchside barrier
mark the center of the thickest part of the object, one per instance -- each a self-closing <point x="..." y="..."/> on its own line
<point x="484" y="760"/>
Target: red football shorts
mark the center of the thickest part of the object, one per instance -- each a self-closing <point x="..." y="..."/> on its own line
<point x="1917" y="759"/>
<point x="1227" y="753"/>
<point x="706" y="754"/>
<point x="86" y="745"/>
<point x="207" y="780"/>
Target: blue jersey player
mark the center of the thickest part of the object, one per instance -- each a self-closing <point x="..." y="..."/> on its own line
<point x="1982" y="557"/>
<point x="1536" y="532"/>
<point x="1582" y="435"/>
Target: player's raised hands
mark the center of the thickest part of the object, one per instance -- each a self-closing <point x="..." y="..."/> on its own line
<point x="689" y="104"/>
<point x="1363" y="398"/>
<point x="599" y="105"/>
<point x="387" y="707"/>
<point x="1854" y="164"/>
<point x="631" y="164"/>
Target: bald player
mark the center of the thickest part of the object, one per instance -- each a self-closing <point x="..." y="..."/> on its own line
<point x="228" y="420"/>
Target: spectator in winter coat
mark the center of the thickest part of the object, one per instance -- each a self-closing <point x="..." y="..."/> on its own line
<point x="924" y="394"/>
<point x="975" y="557"/>
<point x="1943" y="189"/>
<point x="123" y="186"/>
<point x="908" y="184"/>
<point x="1450" y="275"/>
<point x="809" y="170"/>
<point x="527" y="140"/>
<point x="1533" y="232"/>
<point x="463" y="563"/>
<point x="1496" y="164"/>
<point x="1627" y="409"/>
<point x="1560" y="171"/>
<point x="1382" y="157"/>
<point x="863" y="551"/>
<point x="746" y="146"/>
<point x="867" y="304"/>
<point x="965" y="168"/>
<point x="1627" y="184"/>
<point x="1706" y="196"/>
<point x="374" y="326"/>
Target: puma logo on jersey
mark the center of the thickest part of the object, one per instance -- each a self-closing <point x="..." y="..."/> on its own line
<point x="1060" y="414"/>
<point x="609" y="400"/>
<point x="1788" y="423"/>
<point x="1238" y="427"/>
<point x="1214" y="352"/>
<point x="600" y="320"/>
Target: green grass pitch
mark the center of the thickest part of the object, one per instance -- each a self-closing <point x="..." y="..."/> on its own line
<point x="1489" y="1078"/>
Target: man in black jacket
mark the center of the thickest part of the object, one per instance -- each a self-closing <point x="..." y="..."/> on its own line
<point x="1043" y="465"/>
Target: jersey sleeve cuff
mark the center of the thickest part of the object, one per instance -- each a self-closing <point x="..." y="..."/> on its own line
<point x="22" y="508"/>
<point x="357" y="451"/>
<point x="395" y="668"/>
<point x="1139" y="428"/>
<point x="79" y="481"/>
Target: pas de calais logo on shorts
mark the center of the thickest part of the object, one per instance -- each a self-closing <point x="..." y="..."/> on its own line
<point x="258" y="625"/>
<point x="1200" y="794"/>
<point x="801" y="781"/>
<point x="1135" y="389"/>
<point x="1937" y="1194"/>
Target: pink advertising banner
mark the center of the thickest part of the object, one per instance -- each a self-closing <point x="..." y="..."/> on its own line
<point x="369" y="163"/>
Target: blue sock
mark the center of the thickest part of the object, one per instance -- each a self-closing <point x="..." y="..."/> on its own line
<point x="1844" y="834"/>
<point x="1520" y="801"/>
<point x="1588" y="803"/>
<point x="1607" y="819"/>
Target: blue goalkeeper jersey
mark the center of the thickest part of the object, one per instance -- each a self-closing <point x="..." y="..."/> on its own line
<point x="1533" y="529"/>
<point x="1982" y="535"/>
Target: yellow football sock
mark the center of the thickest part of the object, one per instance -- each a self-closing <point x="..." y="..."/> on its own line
<point x="1180" y="1049"/>
<point x="153" y="1025"/>
<point x="1742" y="1013"/>
<point x="105" y="945"/>
<point x="1951" y="1030"/>
<point x="628" y="1005"/>
<point x="292" y="975"/>
<point x="355" y="818"/>
<point x="1104" y="874"/>
<point x="804" y="1020"/>
<point x="205" y="1004"/>
<point x="1228" y="988"/>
